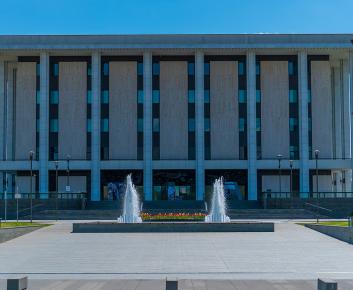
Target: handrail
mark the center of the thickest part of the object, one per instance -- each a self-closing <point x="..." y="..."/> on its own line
<point x="319" y="207"/>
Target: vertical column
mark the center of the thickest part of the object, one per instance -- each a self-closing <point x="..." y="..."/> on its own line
<point x="2" y="112"/>
<point x="44" y="124"/>
<point x="147" y="125"/>
<point x="303" y="122"/>
<point x="351" y="108"/>
<point x="96" y="113"/>
<point x="199" y="118"/>
<point x="251" y="111"/>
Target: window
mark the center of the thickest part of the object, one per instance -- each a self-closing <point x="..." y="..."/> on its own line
<point x="310" y="124"/>
<point x="258" y="124"/>
<point x="207" y="125"/>
<point x="309" y="96"/>
<point x="140" y="68"/>
<point x="38" y="69"/>
<point x="207" y="68"/>
<point x="155" y="96"/>
<point x="293" y="122"/>
<point x="37" y="125"/>
<point x="139" y="125"/>
<point x="258" y="96"/>
<point x="257" y="68"/>
<point x="155" y="125"/>
<point x="241" y="124"/>
<point x="37" y="97"/>
<point x="89" y="125"/>
<point x="54" y="126"/>
<point x="191" y="125"/>
<point x="191" y="96"/>
<point x="290" y="68"/>
<point x="105" y="97"/>
<point x="191" y="68"/>
<point x="241" y="68"/>
<point x="89" y="70"/>
<point x="105" y="125"/>
<point x="293" y="96"/>
<point x="242" y="96"/>
<point x="54" y="97"/>
<point x="140" y="96"/>
<point x="155" y="69"/>
<point x="55" y="69"/>
<point x="89" y="97"/>
<point x="207" y="96"/>
<point x="106" y="68"/>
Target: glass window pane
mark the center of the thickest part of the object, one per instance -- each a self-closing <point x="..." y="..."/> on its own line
<point x="105" y="97"/>
<point x="258" y="68"/>
<point x="207" y="68"/>
<point x="106" y="68"/>
<point x="191" y="96"/>
<point x="241" y="68"/>
<point x="241" y="124"/>
<point x="155" y="68"/>
<point x="105" y="125"/>
<point x="191" y="68"/>
<point x="258" y="96"/>
<point x="38" y="97"/>
<point x="293" y="96"/>
<point x="54" y="97"/>
<point x="290" y="68"/>
<point x="309" y="96"/>
<point x="155" y="125"/>
<point x="38" y="69"/>
<point x="89" y="97"/>
<point x="155" y="96"/>
<point x="139" y="125"/>
<point x="191" y="125"/>
<point x="54" y="125"/>
<point x="207" y="125"/>
<point x="56" y="69"/>
<point x="293" y="122"/>
<point x="140" y="96"/>
<point x="89" y="70"/>
<point x="89" y="125"/>
<point x="140" y="68"/>
<point x="242" y="96"/>
<point x="258" y="124"/>
<point x="207" y="96"/>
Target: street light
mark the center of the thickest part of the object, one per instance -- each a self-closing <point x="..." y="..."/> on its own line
<point x="68" y="172"/>
<point x="279" y="157"/>
<point x="31" y="154"/>
<point x="291" y="177"/>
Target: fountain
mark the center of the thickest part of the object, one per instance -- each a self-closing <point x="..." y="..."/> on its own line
<point x="131" y="206"/>
<point x="218" y="206"/>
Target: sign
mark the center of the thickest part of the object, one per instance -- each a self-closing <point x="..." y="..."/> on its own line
<point x="68" y="188"/>
<point x="17" y="195"/>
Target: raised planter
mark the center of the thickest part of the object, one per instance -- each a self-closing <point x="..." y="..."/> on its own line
<point x="7" y="234"/>
<point x="344" y="234"/>
<point x="170" y="227"/>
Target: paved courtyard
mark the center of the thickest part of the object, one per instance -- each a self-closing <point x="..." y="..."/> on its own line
<point x="292" y="252"/>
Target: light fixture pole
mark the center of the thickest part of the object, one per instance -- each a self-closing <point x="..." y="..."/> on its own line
<point x="279" y="157"/>
<point x="31" y="154"/>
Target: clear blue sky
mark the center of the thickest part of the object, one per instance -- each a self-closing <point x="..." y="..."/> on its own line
<point x="175" y="16"/>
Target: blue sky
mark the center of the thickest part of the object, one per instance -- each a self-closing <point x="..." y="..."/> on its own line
<point x="175" y="16"/>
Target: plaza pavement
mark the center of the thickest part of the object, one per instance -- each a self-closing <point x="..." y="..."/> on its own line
<point x="291" y="252"/>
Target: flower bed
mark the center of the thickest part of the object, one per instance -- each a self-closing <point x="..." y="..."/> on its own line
<point x="173" y="217"/>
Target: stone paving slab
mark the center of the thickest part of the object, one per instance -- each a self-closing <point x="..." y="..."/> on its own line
<point x="183" y="284"/>
<point x="291" y="252"/>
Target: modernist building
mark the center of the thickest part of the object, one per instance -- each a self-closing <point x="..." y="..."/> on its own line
<point x="176" y="111"/>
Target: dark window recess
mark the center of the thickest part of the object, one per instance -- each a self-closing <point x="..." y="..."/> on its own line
<point x="139" y="109"/>
<point x="191" y="111"/>
<point x="155" y="108"/>
<point x="258" y="111"/>
<point x="293" y="108"/>
<point x="242" y="107"/>
<point x="207" y="110"/>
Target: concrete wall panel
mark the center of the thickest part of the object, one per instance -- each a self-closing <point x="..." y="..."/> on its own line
<point x="173" y="110"/>
<point x="224" y="110"/>
<point x="23" y="183"/>
<point x="123" y="110"/>
<point x="271" y="182"/>
<point x="77" y="184"/>
<point x="274" y="109"/>
<point x="72" y="110"/>
<point x="325" y="183"/>
<point x="25" y="111"/>
<point x="321" y="107"/>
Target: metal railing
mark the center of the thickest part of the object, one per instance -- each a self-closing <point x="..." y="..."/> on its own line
<point x="49" y="195"/>
<point x="306" y="195"/>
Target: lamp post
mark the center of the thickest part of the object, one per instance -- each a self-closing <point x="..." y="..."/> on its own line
<point x="317" y="182"/>
<point x="68" y="172"/>
<point x="291" y="177"/>
<point x="279" y="157"/>
<point x="31" y="154"/>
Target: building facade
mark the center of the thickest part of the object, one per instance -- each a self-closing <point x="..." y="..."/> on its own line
<point x="176" y="111"/>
